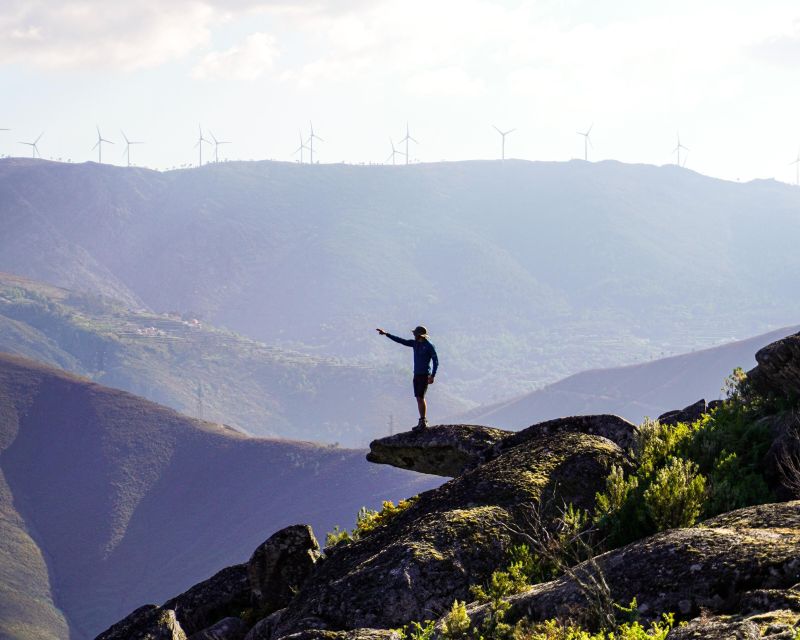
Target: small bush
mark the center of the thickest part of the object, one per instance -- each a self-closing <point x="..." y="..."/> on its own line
<point x="418" y="631"/>
<point x="456" y="623"/>
<point x="676" y="495"/>
<point x="554" y="630"/>
<point x="336" y="537"/>
<point x="367" y="520"/>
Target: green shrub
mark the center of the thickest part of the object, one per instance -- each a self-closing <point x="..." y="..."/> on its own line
<point x="456" y="623"/>
<point x="554" y="630"/>
<point x="722" y="450"/>
<point x="735" y="484"/>
<point x="367" y="520"/>
<point x="418" y="631"/>
<point x="676" y="495"/>
<point x="336" y="537"/>
<point x="516" y="578"/>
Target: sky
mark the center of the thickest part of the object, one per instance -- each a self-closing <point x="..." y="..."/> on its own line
<point x="725" y="76"/>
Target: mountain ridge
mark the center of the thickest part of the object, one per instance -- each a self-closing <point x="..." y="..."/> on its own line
<point x="539" y="269"/>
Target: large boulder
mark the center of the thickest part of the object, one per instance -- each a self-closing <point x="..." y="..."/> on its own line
<point x="415" y="565"/>
<point x="718" y="566"/>
<point x="280" y="566"/>
<point x="614" y="428"/>
<point x="716" y="628"/>
<point x="688" y="414"/>
<point x="231" y="628"/>
<point x="148" y="622"/>
<point x="778" y="369"/>
<point x="443" y="450"/>
<point x="224" y="594"/>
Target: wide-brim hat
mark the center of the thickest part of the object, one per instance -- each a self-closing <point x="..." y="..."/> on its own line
<point x="420" y="332"/>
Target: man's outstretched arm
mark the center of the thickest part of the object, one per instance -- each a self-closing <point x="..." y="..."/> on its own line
<point x="408" y="343"/>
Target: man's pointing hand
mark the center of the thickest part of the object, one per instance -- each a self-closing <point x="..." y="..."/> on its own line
<point x="381" y="331"/>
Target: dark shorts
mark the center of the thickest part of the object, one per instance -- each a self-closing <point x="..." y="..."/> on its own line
<point x="420" y="385"/>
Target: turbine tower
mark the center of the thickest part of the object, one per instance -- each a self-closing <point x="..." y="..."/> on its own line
<point x="128" y="144"/>
<point x="33" y="145"/>
<point x="394" y="154"/>
<point x="5" y="129"/>
<point x="586" y="142"/>
<point x="311" y="141"/>
<point x="678" y="148"/>
<point x="216" y="145"/>
<point x="200" y="142"/>
<point x="301" y="148"/>
<point x="503" y="134"/>
<point x="796" y="164"/>
<point x="99" y="145"/>
<point x="406" y="140"/>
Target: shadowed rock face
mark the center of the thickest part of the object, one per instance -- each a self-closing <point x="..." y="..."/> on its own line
<point x="778" y="369"/>
<point x="225" y="629"/>
<point x="443" y="450"/>
<point x="281" y="565"/>
<point x="413" y="567"/>
<point x="718" y="567"/>
<point x="146" y="623"/>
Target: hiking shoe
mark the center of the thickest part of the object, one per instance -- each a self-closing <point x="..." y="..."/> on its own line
<point x="422" y="424"/>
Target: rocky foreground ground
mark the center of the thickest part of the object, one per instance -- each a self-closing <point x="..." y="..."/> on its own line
<point x="736" y="575"/>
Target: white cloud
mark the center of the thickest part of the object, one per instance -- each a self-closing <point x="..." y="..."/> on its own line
<point x="96" y="34"/>
<point x="79" y="34"/>
<point x="247" y="61"/>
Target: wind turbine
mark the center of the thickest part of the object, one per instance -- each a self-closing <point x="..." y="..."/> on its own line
<point x="406" y="140"/>
<point x="33" y="145"/>
<point x="301" y="147"/>
<point x="311" y="141"/>
<point x="99" y="145"/>
<point x="796" y="164"/>
<point x="128" y="144"/>
<point x="678" y="148"/>
<point x="200" y="142"/>
<point x="586" y="142"/>
<point x="216" y="145"/>
<point x="503" y="134"/>
<point x="395" y="152"/>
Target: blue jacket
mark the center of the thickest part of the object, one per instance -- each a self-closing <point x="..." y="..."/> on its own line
<point x="424" y="352"/>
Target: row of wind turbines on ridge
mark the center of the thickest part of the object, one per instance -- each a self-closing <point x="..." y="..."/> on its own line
<point x="308" y="145"/>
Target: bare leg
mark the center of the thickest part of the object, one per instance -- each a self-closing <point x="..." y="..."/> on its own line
<point x="422" y="406"/>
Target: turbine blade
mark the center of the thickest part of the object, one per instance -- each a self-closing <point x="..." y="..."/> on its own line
<point x="39" y="138"/>
<point x="498" y="130"/>
<point x="95" y="145"/>
<point x="510" y="131"/>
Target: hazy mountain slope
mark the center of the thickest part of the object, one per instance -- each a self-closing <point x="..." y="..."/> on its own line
<point x="525" y="272"/>
<point x="633" y="392"/>
<point x="129" y="502"/>
<point x="197" y="368"/>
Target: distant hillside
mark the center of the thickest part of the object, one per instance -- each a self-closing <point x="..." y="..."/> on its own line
<point x="108" y="501"/>
<point x="633" y="392"/>
<point x="200" y="370"/>
<point x="525" y="272"/>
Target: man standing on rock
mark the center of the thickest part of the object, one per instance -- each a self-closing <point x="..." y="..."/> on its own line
<point x="424" y="353"/>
